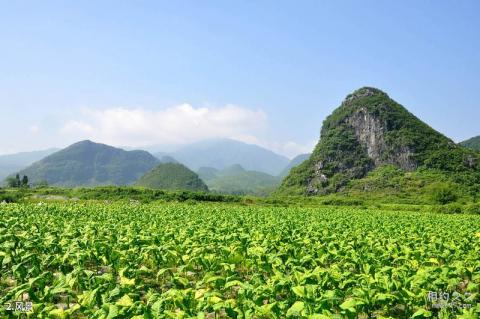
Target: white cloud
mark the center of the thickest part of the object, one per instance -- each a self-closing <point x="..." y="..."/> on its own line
<point x="34" y="129"/>
<point x="181" y="124"/>
<point x="175" y="125"/>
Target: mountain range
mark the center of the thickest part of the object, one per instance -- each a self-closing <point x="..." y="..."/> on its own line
<point x="90" y="164"/>
<point x="13" y="163"/>
<point x="238" y="181"/>
<point x="222" y="153"/>
<point x="370" y="142"/>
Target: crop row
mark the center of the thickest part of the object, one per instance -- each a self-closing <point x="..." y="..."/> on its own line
<point x="92" y="260"/>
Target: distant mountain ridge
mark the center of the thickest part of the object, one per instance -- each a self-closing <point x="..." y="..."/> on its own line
<point x="222" y="153"/>
<point x="207" y="173"/>
<point x="297" y="160"/>
<point x="90" y="164"/>
<point x="473" y="143"/>
<point x="238" y="181"/>
<point x="12" y="163"/>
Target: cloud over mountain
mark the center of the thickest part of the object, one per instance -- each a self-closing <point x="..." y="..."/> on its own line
<point x="174" y="125"/>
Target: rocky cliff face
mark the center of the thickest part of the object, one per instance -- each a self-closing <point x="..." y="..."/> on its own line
<point x="369" y="130"/>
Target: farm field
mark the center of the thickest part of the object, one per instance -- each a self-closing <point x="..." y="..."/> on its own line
<point x="211" y="260"/>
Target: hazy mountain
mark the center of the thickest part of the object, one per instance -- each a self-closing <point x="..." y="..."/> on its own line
<point x="222" y="153"/>
<point x="207" y="173"/>
<point x="87" y="164"/>
<point x="12" y="163"/>
<point x="294" y="163"/>
<point x="166" y="159"/>
<point x="236" y="180"/>
<point x="368" y="131"/>
<point x="473" y="143"/>
<point x="172" y="176"/>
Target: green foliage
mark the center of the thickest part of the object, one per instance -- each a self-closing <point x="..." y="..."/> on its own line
<point x="295" y="182"/>
<point x="17" y="182"/>
<point x="144" y="195"/>
<point x="456" y="208"/>
<point x="24" y="182"/>
<point x="41" y="184"/>
<point x="342" y="159"/>
<point x="388" y="184"/>
<point x="443" y="193"/>
<point x="473" y="143"/>
<point x="472" y="208"/>
<point x="236" y="180"/>
<point x="9" y="164"/>
<point x="90" y="164"/>
<point x="118" y="260"/>
<point x="299" y="159"/>
<point x="207" y="173"/>
<point x="172" y="176"/>
<point x="11" y="182"/>
<point x="450" y="208"/>
<point x="8" y="196"/>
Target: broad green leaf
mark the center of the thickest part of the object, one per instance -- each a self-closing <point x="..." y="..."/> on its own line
<point x="299" y="291"/>
<point x="422" y="313"/>
<point x="58" y="313"/>
<point x="112" y="312"/>
<point x="350" y="304"/>
<point x="296" y="309"/>
<point x="124" y="281"/>
<point x="125" y="301"/>
<point x="214" y="300"/>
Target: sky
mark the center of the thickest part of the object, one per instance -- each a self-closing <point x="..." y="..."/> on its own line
<point x="161" y="73"/>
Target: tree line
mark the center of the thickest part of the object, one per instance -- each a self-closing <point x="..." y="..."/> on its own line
<point x="17" y="182"/>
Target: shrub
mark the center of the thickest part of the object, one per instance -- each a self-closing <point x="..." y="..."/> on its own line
<point x="10" y="197"/>
<point x="453" y="208"/>
<point x="442" y="193"/>
<point x="473" y="209"/>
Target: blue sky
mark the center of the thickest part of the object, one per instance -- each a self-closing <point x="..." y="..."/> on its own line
<point x="142" y="73"/>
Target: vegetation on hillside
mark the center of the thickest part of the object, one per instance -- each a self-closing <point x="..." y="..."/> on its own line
<point x="89" y="164"/>
<point x="340" y="157"/>
<point x="111" y="194"/>
<point x="222" y="153"/>
<point x="473" y="143"/>
<point x="17" y="182"/>
<point x="12" y="163"/>
<point x="238" y="181"/>
<point x="172" y="176"/>
<point x="207" y="173"/>
<point x="299" y="159"/>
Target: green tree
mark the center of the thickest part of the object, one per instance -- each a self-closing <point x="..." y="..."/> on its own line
<point x="25" y="181"/>
<point x="475" y="192"/>
<point x="17" y="180"/>
<point x="11" y="182"/>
